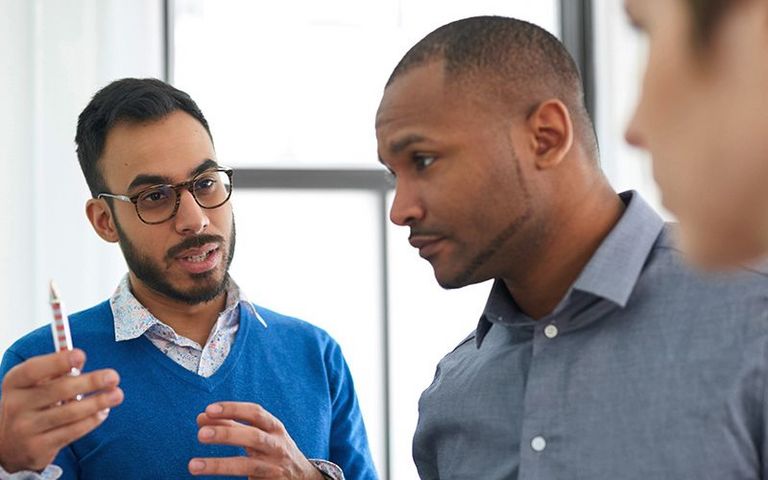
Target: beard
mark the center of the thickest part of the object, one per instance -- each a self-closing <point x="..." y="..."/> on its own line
<point x="469" y="275"/>
<point x="499" y="244"/>
<point x="207" y="285"/>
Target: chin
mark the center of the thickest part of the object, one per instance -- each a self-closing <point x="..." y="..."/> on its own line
<point x="457" y="279"/>
<point x="449" y="284"/>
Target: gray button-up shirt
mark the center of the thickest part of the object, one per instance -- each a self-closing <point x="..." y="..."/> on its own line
<point x="645" y="370"/>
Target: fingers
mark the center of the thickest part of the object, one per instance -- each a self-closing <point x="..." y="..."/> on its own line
<point x="36" y="369"/>
<point x="36" y="420"/>
<point x="251" y="413"/>
<point x="68" y="387"/>
<point x="240" y="435"/>
<point x="203" y="419"/>
<point x="271" y="453"/>
<point x="56" y="439"/>
<point x="74" y="412"/>
<point x="234" y="466"/>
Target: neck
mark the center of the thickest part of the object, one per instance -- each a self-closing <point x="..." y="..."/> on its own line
<point x="581" y="228"/>
<point x="194" y="322"/>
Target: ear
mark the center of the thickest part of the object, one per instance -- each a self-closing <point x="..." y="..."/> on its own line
<point x="100" y="216"/>
<point x="552" y="129"/>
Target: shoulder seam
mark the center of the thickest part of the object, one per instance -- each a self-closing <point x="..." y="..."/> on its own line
<point x="469" y="338"/>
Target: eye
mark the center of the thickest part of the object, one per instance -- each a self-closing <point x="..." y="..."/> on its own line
<point x="423" y="160"/>
<point x="205" y="183"/>
<point x="155" y="195"/>
<point x="208" y="184"/>
<point x="156" y="198"/>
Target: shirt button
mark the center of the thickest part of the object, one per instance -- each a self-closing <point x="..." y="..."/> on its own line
<point x="538" y="443"/>
<point x="550" y="331"/>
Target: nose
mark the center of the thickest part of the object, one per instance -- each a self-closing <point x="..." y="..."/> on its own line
<point x="634" y="132"/>
<point x="191" y="218"/>
<point x="407" y="207"/>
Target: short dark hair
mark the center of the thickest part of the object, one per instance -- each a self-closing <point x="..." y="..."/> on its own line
<point x="513" y="60"/>
<point x="132" y="100"/>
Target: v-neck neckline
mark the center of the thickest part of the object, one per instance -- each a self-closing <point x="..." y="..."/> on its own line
<point x="204" y="383"/>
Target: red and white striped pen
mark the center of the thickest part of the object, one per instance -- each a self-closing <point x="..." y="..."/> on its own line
<point x="62" y="338"/>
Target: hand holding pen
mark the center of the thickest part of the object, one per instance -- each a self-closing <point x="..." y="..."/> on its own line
<point x="62" y="337"/>
<point x="37" y="416"/>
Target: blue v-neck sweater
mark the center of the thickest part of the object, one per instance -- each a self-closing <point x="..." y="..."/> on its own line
<point x="293" y="369"/>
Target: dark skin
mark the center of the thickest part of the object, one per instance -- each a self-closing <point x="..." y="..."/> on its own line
<point x="584" y="208"/>
<point x="493" y="193"/>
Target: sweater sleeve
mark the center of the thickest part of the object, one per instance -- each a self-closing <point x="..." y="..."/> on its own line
<point x="349" y="442"/>
<point x="64" y="466"/>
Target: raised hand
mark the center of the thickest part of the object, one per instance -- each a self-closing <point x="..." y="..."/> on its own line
<point x="38" y="413"/>
<point x="270" y="452"/>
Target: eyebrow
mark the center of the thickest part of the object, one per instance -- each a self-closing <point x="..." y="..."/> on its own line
<point x="400" y="145"/>
<point x="206" y="165"/>
<point x="143" y="179"/>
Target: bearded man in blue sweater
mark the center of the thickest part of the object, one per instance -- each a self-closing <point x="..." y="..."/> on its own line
<point x="208" y="384"/>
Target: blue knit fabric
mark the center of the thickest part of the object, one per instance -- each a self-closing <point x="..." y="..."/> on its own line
<point x="293" y="369"/>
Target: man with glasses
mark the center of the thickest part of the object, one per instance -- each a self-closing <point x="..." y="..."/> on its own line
<point x="208" y="383"/>
<point x="211" y="188"/>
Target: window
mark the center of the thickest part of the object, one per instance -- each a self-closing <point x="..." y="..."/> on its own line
<point x="620" y="59"/>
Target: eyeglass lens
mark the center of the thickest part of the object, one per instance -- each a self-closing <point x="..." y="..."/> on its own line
<point x="210" y="189"/>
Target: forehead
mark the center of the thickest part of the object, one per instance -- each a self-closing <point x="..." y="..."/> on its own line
<point x="421" y="109"/>
<point x="169" y="147"/>
<point x="418" y="95"/>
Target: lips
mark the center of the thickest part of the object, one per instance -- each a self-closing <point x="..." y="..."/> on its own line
<point x="199" y="259"/>
<point x="428" y="245"/>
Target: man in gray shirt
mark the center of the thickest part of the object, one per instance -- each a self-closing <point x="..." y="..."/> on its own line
<point x="600" y="354"/>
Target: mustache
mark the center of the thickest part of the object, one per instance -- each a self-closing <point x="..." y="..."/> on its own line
<point x="424" y="232"/>
<point x="192" y="242"/>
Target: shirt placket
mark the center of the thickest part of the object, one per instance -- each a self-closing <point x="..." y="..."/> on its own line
<point x="205" y="368"/>
<point x="542" y="411"/>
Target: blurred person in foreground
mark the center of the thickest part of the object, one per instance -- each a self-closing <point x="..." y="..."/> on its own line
<point x="599" y="354"/>
<point x="703" y="116"/>
<point x="184" y="375"/>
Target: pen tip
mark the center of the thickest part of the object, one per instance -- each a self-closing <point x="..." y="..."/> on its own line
<point x="54" y="291"/>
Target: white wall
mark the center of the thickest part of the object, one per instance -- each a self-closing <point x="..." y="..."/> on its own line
<point x="54" y="55"/>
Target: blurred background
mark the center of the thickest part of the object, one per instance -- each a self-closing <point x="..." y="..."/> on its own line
<point x="290" y="90"/>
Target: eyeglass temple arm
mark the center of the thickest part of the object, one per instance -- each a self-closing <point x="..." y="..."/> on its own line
<point x="118" y="197"/>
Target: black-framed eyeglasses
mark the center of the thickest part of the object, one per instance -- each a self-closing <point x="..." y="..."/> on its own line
<point x="159" y="203"/>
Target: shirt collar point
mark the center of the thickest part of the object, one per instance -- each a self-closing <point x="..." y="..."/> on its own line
<point x="251" y="308"/>
<point x="614" y="269"/>
<point x="483" y="326"/>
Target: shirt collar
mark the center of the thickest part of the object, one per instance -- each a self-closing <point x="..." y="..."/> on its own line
<point x="132" y="319"/>
<point x="613" y="270"/>
<point x="500" y="308"/>
<point x="611" y="273"/>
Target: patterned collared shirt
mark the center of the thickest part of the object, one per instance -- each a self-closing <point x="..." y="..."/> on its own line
<point x="132" y="320"/>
